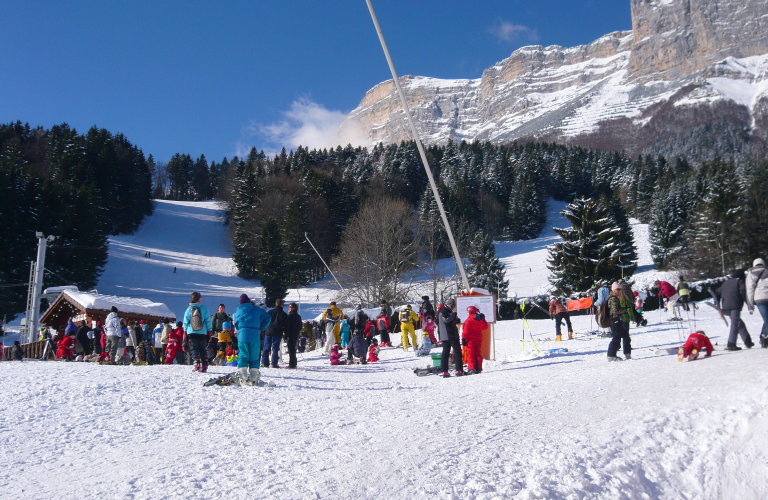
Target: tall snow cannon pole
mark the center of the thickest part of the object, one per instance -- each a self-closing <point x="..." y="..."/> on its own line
<point x="421" y="148"/>
<point x="326" y="266"/>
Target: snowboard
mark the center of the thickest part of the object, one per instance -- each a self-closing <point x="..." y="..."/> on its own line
<point x="431" y="370"/>
<point x="231" y="379"/>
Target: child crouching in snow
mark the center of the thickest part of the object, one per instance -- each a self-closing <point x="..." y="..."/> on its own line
<point x="693" y="346"/>
<point x="373" y="351"/>
<point x="425" y="346"/>
<point x="429" y="327"/>
<point x="336" y="355"/>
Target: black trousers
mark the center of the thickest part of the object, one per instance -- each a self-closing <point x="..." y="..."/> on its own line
<point x="385" y="336"/>
<point x="560" y="317"/>
<point x="447" y="345"/>
<point x="292" y="341"/>
<point x="197" y="347"/>
<point x="620" y="332"/>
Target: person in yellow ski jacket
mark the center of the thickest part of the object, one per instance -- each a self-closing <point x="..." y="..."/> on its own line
<point x="337" y="314"/>
<point x="408" y="320"/>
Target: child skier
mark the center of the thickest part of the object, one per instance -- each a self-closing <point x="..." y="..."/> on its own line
<point x="693" y="346"/>
<point x="224" y="341"/>
<point x="175" y="339"/>
<point x="429" y="328"/>
<point x="382" y="326"/>
<point x="336" y="355"/>
<point x="426" y="344"/>
<point x="65" y="349"/>
<point x="344" y="330"/>
<point x="373" y="351"/>
<point x="370" y="331"/>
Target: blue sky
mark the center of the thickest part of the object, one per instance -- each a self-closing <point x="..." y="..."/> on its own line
<point x="214" y="78"/>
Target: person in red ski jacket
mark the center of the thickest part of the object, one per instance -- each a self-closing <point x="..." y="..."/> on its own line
<point x="382" y="326"/>
<point x="370" y="331"/>
<point x="472" y="338"/>
<point x="65" y="349"/>
<point x="695" y="343"/>
<point x="668" y="292"/>
<point x="373" y="351"/>
<point x="175" y="341"/>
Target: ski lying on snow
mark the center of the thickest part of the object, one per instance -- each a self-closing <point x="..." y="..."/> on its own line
<point x="231" y="379"/>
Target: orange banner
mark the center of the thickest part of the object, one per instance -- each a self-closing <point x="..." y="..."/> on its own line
<point x="579" y="304"/>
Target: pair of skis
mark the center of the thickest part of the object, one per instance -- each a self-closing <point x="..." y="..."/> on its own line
<point x="231" y="379"/>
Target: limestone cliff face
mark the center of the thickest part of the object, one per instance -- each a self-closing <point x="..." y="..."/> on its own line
<point x="681" y="49"/>
<point x="674" y="38"/>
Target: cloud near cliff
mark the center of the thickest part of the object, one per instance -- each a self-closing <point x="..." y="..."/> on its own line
<point x="506" y="31"/>
<point x="306" y="123"/>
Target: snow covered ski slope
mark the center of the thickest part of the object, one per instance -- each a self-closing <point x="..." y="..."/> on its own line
<point x="556" y="426"/>
<point x="190" y="237"/>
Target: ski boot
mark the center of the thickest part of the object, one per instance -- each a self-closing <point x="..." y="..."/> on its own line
<point x="471" y="372"/>
<point x="627" y="357"/>
<point x="732" y="347"/>
<point x="694" y="355"/>
<point x="204" y="368"/>
<point x="614" y="358"/>
<point x="197" y="366"/>
<point x="460" y="374"/>
<point x="445" y="375"/>
<point x="570" y="335"/>
<point x="241" y="377"/>
<point x="680" y="354"/>
<point x="559" y="338"/>
<point x="255" y="376"/>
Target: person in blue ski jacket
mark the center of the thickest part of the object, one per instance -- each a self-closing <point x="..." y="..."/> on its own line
<point x="249" y="322"/>
<point x="344" y="329"/>
<point x="198" y="337"/>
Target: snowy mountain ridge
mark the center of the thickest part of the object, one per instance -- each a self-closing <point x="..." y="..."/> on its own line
<point x="696" y="56"/>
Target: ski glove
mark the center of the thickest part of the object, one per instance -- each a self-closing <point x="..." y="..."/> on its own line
<point x="464" y="342"/>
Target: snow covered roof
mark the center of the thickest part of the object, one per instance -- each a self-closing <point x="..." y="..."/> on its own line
<point x="130" y="305"/>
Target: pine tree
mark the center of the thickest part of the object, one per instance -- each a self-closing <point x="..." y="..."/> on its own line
<point x="590" y="249"/>
<point x="667" y="227"/>
<point x="627" y="259"/>
<point x="527" y="211"/>
<point x="271" y="263"/>
<point x="244" y="235"/>
<point x="485" y="270"/>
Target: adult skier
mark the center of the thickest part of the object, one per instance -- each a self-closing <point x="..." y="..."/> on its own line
<point x="757" y="295"/>
<point x="667" y="291"/>
<point x="425" y="309"/>
<point x="472" y="337"/>
<point x="448" y="322"/>
<point x="408" y="319"/>
<point x="197" y="324"/>
<point x="684" y="289"/>
<point x="732" y="294"/>
<point x="335" y="315"/>
<point x="293" y="330"/>
<point x="249" y="322"/>
<point x="382" y="327"/>
<point x="113" y="331"/>
<point x="82" y="337"/>
<point x="618" y="313"/>
<point x="360" y="319"/>
<point x="558" y="312"/>
<point x="278" y="327"/>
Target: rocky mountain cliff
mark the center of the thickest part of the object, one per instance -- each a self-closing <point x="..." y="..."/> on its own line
<point x="688" y="71"/>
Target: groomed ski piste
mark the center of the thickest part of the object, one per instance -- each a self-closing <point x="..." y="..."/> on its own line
<point x="563" y="426"/>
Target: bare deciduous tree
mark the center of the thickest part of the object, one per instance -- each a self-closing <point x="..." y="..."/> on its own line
<point x="378" y="249"/>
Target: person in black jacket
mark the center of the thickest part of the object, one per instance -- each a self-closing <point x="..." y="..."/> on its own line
<point x="449" y="335"/>
<point x="732" y="295"/>
<point x="274" y="334"/>
<point x="293" y="330"/>
<point x="82" y="337"/>
<point x="17" y="354"/>
<point x="426" y="309"/>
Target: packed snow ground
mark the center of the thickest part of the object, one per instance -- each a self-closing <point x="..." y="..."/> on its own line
<point x="565" y="426"/>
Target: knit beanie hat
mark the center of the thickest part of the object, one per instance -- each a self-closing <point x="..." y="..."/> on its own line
<point x="244" y="298"/>
<point x="758" y="262"/>
<point x="616" y="286"/>
<point x="194" y="297"/>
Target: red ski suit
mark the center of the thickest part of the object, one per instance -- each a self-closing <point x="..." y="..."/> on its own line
<point x="472" y="332"/>
<point x="373" y="353"/>
<point x="370" y="330"/>
<point x="65" y="348"/>
<point x="666" y="290"/>
<point x="698" y="342"/>
<point x="175" y="340"/>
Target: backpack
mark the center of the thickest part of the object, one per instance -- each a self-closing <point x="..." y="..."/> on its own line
<point x="405" y="316"/>
<point x="603" y="318"/>
<point x="382" y="324"/>
<point x="196" y="319"/>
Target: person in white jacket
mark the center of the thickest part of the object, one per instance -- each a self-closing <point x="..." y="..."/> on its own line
<point x="113" y="332"/>
<point x="757" y="295"/>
